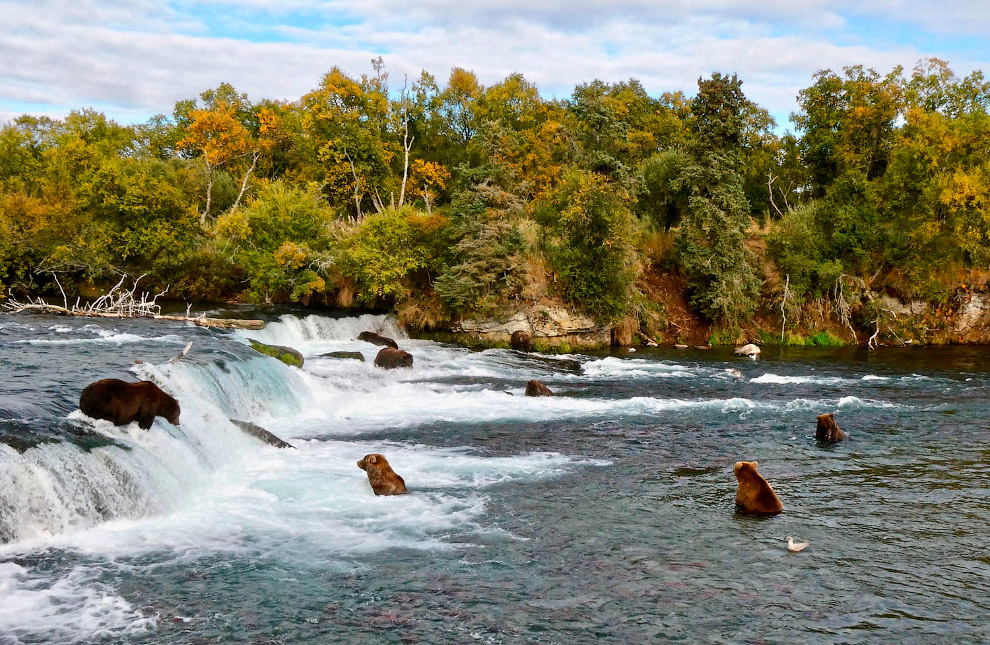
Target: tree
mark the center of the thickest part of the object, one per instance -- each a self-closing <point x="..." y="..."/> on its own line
<point x="586" y="229"/>
<point x="724" y="286"/>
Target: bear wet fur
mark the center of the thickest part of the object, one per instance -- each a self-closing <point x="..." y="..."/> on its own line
<point x="377" y="339"/>
<point x="754" y="495"/>
<point x="827" y="431"/>
<point x="389" y="358"/>
<point x="121" y="402"/>
<point x="537" y="388"/>
<point x="383" y="480"/>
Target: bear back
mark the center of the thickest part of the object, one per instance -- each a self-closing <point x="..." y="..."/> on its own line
<point x="121" y="402"/>
<point x="383" y="480"/>
<point x="754" y="495"/>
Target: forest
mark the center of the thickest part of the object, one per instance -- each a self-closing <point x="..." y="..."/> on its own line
<point x="447" y="200"/>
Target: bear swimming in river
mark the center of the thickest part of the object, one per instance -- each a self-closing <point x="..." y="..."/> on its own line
<point x="537" y="388"/>
<point x="754" y="494"/>
<point x="389" y="358"/>
<point x="384" y="480"/>
<point x="122" y="402"/>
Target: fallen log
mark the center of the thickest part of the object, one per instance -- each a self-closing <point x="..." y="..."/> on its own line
<point x="199" y="321"/>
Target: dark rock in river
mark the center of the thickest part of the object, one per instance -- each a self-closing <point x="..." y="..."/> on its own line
<point x="357" y="356"/>
<point x="258" y="432"/>
<point x="287" y="355"/>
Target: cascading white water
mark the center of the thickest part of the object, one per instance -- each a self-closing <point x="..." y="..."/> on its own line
<point x="58" y="487"/>
<point x="291" y="329"/>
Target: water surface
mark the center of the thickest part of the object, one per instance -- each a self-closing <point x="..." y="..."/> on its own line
<point x="602" y="514"/>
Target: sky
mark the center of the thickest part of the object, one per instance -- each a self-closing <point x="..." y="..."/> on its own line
<point x="133" y="59"/>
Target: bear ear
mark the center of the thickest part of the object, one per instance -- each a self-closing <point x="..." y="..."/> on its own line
<point x="372" y="459"/>
<point x="755" y="463"/>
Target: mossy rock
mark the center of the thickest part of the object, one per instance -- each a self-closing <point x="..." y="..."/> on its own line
<point x="287" y="355"/>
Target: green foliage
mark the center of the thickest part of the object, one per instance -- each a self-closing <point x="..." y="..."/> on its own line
<point x="587" y="228"/>
<point x="274" y="239"/>
<point x="383" y="252"/>
<point x="486" y="267"/>
<point x="719" y="267"/>
<point x="662" y="197"/>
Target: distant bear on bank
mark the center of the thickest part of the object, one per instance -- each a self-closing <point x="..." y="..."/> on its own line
<point x="384" y="480"/>
<point x="754" y="495"/>
<point x="520" y="341"/>
<point x="122" y="402"/>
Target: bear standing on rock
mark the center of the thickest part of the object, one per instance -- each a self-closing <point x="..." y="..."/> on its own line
<point x="121" y="402"/>
<point x="754" y="495"/>
<point x="383" y="480"/>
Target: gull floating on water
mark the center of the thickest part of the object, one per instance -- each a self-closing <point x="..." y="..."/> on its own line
<point x="795" y="547"/>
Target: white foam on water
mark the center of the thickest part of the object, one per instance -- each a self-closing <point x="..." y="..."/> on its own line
<point x="66" y="608"/>
<point x="102" y="335"/>
<point x="292" y="330"/>
<point x="625" y="368"/>
<point x="777" y="379"/>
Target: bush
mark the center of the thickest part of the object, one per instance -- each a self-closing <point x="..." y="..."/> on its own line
<point x="586" y="231"/>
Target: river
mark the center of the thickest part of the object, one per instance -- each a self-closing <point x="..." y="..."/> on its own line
<point x="603" y="514"/>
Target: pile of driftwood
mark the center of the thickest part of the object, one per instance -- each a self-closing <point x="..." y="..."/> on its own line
<point x="120" y="302"/>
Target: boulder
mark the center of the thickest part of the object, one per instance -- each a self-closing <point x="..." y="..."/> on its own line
<point x="258" y="432"/>
<point x="287" y="355"/>
<point x="389" y="358"/>
<point x="357" y="356"/>
<point x="747" y="350"/>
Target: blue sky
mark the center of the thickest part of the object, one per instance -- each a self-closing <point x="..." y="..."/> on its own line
<point x="134" y="58"/>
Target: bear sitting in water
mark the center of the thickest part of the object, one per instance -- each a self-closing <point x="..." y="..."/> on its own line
<point x="122" y="402"/>
<point x="754" y="494"/>
<point x="384" y="480"/>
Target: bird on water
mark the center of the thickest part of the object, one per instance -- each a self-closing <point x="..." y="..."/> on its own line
<point x="795" y="547"/>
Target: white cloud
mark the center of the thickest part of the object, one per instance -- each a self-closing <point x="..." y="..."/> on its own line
<point x="134" y="58"/>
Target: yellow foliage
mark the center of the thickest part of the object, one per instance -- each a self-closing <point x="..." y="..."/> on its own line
<point x="291" y="255"/>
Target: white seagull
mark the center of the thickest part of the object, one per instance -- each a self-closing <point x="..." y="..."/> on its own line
<point x="795" y="547"/>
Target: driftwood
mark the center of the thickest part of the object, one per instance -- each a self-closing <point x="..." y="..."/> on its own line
<point x="125" y="303"/>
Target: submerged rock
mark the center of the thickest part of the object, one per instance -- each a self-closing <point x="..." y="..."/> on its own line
<point x="258" y="432"/>
<point x="287" y="355"/>
<point x="357" y="356"/>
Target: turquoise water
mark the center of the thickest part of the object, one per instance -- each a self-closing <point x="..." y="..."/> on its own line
<point x="604" y="514"/>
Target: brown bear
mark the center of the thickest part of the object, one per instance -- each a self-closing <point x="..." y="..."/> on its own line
<point x="122" y="402"/>
<point x="537" y="388"/>
<point x="389" y="358"/>
<point x="377" y="339"/>
<point x="754" y="494"/>
<point x="827" y="431"/>
<point x="520" y="341"/>
<point x="384" y="480"/>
